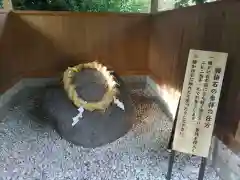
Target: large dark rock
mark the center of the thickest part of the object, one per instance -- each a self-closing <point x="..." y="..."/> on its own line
<point x="95" y="128"/>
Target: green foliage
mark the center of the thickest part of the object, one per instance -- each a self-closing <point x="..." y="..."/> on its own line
<point x="108" y="6"/>
<point x="53" y="5"/>
<point x="186" y="3"/>
<point x="82" y="5"/>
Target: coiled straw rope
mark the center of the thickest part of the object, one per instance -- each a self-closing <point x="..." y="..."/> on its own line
<point x="70" y="88"/>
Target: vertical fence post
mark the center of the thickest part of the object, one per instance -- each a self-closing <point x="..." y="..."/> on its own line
<point x="154" y="6"/>
<point x="7" y="5"/>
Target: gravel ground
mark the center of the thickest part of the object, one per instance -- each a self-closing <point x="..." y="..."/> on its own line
<point x="31" y="150"/>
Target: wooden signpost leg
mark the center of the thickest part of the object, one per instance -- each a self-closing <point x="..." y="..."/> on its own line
<point x="170" y="165"/>
<point x="172" y="152"/>
<point x="173" y="128"/>
<point x="202" y="168"/>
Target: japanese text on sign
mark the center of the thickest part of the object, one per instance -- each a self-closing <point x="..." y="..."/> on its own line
<point x="199" y="101"/>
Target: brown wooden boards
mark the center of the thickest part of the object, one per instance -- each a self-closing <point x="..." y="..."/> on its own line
<point x="212" y="27"/>
<point x="43" y="44"/>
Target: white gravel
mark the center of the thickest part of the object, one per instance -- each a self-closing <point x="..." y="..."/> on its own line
<point x="33" y="151"/>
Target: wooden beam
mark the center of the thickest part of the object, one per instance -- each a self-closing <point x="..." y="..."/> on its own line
<point x="237" y="136"/>
<point x="237" y="118"/>
<point x="7" y="5"/>
<point x="154" y="6"/>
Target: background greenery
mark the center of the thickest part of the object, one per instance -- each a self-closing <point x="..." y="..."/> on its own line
<point x="94" y="5"/>
<point x="185" y="3"/>
<point x="83" y="5"/>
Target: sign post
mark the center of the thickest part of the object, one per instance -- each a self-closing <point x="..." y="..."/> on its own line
<point x="195" y="117"/>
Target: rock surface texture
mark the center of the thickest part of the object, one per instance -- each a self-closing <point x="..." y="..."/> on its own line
<point x="94" y="128"/>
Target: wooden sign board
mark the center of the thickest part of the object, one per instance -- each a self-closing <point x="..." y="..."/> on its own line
<point x="199" y="102"/>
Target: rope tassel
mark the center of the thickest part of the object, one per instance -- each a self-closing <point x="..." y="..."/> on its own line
<point x="78" y="116"/>
<point x="119" y="104"/>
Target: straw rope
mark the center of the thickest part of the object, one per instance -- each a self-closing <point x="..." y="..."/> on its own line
<point x="70" y="88"/>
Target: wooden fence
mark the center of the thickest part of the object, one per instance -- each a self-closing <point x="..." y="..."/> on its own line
<point x="36" y="44"/>
<point x="213" y="27"/>
<point x="42" y="44"/>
